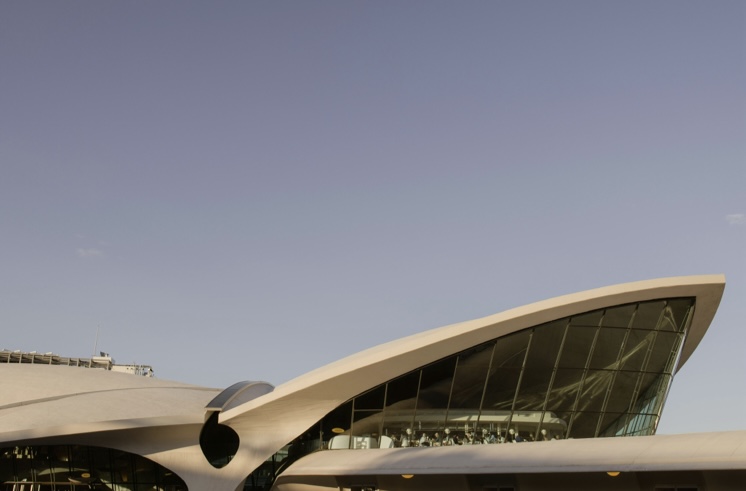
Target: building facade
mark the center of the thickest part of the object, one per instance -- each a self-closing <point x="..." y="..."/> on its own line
<point x="517" y="400"/>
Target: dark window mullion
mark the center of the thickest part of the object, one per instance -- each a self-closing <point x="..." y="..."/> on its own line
<point x="520" y="378"/>
<point x="672" y="362"/>
<point x="551" y="380"/>
<point x="352" y="423"/>
<point x="618" y="365"/>
<point x="486" y="380"/>
<point x="450" y="392"/>
<point x="643" y="369"/>
<point x="416" y="402"/>
<point x="383" y="412"/>
<point x="582" y="377"/>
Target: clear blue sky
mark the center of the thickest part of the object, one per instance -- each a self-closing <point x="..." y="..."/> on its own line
<point x="250" y="190"/>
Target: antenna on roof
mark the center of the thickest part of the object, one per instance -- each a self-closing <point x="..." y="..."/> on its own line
<point x="95" y="344"/>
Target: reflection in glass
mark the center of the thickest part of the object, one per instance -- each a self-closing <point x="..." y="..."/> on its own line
<point x="81" y="467"/>
<point x="599" y="373"/>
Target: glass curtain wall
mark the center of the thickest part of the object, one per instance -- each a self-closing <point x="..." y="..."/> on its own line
<point x="74" y="467"/>
<point x="601" y="373"/>
<point x="596" y="374"/>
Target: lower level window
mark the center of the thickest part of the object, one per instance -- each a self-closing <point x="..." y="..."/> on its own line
<point x="79" y="467"/>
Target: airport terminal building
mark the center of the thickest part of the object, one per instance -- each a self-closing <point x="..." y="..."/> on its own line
<point x="561" y="394"/>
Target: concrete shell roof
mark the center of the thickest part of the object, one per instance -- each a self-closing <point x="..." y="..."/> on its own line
<point x="350" y="376"/>
<point x="40" y="400"/>
<point x="698" y="451"/>
<point x="274" y="419"/>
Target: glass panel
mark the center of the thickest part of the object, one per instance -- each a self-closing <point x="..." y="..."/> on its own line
<point x="511" y="350"/>
<point x="7" y="458"/>
<point x="553" y="426"/>
<point x="401" y="399"/>
<point x="648" y="314"/>
<point x="652" y="386"/>
<point x="522" y="433"/>
<point x="636" y="348"/>
<point x="366" y="423"/>
<point x="565" y="417"/>
<point x="262" y="477"/>
<point x="533" y="390"/>
<point x="636" y="421"/>
<point x="679" y="308"/>
<point x="170" y="481"/>
<point x="594" y="390"/>
<point x="507" y="361"/>
<point x="122" y="465"/>
<point x="101" y="464"/>
<point x="471" y="373"/>
<point x="668" y="322"/>
<point x="545" y="344"/>
<point x="432" y="401"/>
<point x="663" y="352"/>
<point x="144" y="470"/>
<point x="641" y="424"/>
<point x="402" y="391"/>
<point x="612" y="424"/>
<point x="435" y="386"/>
<point x="423" y="437"/>
<point x="372" y="399"/>
<point x="60" y="458"/>
<point x="338" y="421"/>
<point x="79" y="456"/>
<point x="577" y="347"/>
<point x="606" y="350"/>
<point x="584" y="425"/>
<point x="43" y="464"/>
<point x="619" y="316"/>
<point x="64" y="467"/>
<point x="24" y="464"/>
<point x="428" y="424"/>
<point x="564" y="390"/>
<point x="501" y="389"/>
<point x="620" y="395"/>
<point x="310" y="440"/>
<point x="537" y="375"/>
<point x="589" y="319"/>
<point x="468" y="389"/>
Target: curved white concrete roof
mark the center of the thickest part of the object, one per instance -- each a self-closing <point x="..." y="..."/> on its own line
<point x="270" y="421"/>
<point x="408" y="353"/>
<point x="43" y="401"/>
<point x="52" y="401"/>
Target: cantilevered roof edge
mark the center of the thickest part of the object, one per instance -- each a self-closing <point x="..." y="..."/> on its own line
<point x="373" y="366"/>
